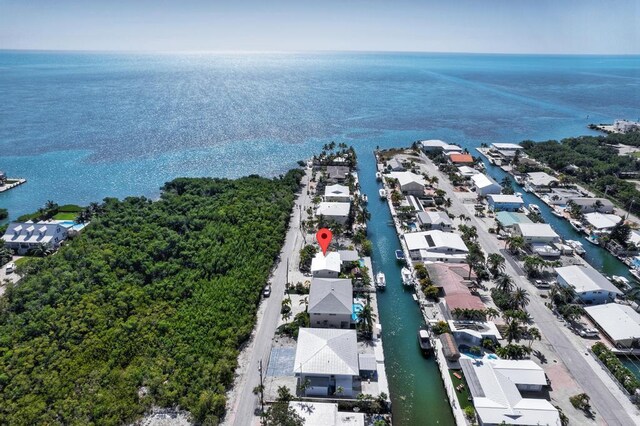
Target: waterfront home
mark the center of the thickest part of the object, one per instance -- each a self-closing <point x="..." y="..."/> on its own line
<point x="590" y="286"/>
<point x="21" y="237"/>
<point x="325" y="414"/>
<point x="326" y="359"/>
<point x="411" y="203"/>
<point x="348" y="255"/>
<point x="467" y="172"/>
<point x="625" y="126"/>
<point x="562" y="196"/>
<point x="337" y="173"/>
<point x="539" y="238"/>
<point x="434" y="220"/>
<point x="410" y="183"/>
<point x="601" y="222"/>
<point x="454" y="282"/>
<point x="505" y="202"/>
<point x="540" y="181"/>
<point x="496" y="386"/>
<point x="505" y="150"/>
<point x="395" y="165"/>
<point x="436" y="246"/>
<point x="330" y="303"/>
<point x="485" y="185"/>
<point x="509" y="219"/>
<point x="620" y="323"/>
<point x="473" y="333"/>
<point x="436" y="145"/>
<point x="337" y="193"/>
<point x="326" y="266"/>
<point x="590" y="205"/>
<point x="338" y="212"/>
<point x="461" y="159"/>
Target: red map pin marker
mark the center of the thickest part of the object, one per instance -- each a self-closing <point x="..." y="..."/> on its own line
<point x="324" y="239"/>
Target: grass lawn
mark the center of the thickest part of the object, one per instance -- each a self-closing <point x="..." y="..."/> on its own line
<point x="463" y="395"/>
<point x="21" y="261"/>
<point x="65" y="216"/>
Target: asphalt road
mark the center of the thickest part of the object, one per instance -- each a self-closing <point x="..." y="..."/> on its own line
<point x="243" y="401"/>
<point x="602" y="400"/>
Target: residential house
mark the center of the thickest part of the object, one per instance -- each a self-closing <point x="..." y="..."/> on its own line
<point x="505" y="150"/>
<point x="326" y="266"/>
<point x="454" y="282"/>
<point x="337" y="173"/>
<point x="22" y="237"/>
<point x="410" y="183"/>
<point x="601" y="222"/>
<point x="434" y="220"/>
<point x="484" y="185"/>
<point x="473" y="333"/>
<point x="337" y="193"/>
<point x="326" y="359"/>
<point x="467" y="172"/>
<point x="505" y="202"/>
<point x="338" y="212"/>
<point x="436" y="246"/>
<point x="591" y="205"/>
<point x="496" y="386"/>
<point x="539" y="238"/>
<point x="461" y="159"/>
<point x="433" y="145"/>
<point x="625" y="126"/>
<point x="325" y="414"/>
<point x="540" y="182"/>
<point x="395" y="165"/>
<point x="562" y="196"/>
<point x="330" y="303"/>
<point x="591" y="286"/>
<point x="620" y="323"/>
<point x="508" y="220"/>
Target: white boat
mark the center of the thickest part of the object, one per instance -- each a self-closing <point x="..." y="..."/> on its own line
<point x="424" y="340"/>
<point x="365" y="199"/>
<point x="378" y="176"/>
<point x="407" y="278"/>
<point x="558" y="213"/>
<point x="534" y="208"/>
<point x="576" y="225"/>
<point x="621" y="282"/>
<point x="381" y="280"/>
<point x="593" y="239"/>
<point x="636" y="273"/>
<point x="383" y="193"/>
<point x="576" y="246"/>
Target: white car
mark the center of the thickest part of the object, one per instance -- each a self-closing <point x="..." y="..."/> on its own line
<point x="11" y="267"/>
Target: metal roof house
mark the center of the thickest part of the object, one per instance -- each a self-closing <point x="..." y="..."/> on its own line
<point x="24" y="236"/>
<point x="330" y="303"/>
<point x="621" y="323"/>
<point x="540" y="181"/>
<point x="485" y="185"/>
<point x="337" y="173"/>
<point x="510" y="219"/>
<point x="505" y="202"/>
<point x="328" y="359"/>
<point x="338" y="193"/>
<point x="410" y="183"/>
<point x="496" y="387"/>
<point x="436" y="246"/>
<point x="602" y="221"/>
<point x="325" y="414"/>
<point x="434" y="220"/>
<point x="338" y="212"/>
<point x="590" y="285"/>
<point x="590" y="205"/>
<point x="326" y="266"/>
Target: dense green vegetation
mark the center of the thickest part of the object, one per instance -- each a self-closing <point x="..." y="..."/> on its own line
<point x="4" y="213"/>
<point x="148" y="306"/>
<point x="593" y="161"/>
<point x="51" y="210"/>
<point x="615" y="366"/>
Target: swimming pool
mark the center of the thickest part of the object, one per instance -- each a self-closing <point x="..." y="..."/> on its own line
<point x="70" y="224"/>
<point x="357" y="308"/>
<point x="361" y="262"/>
<point x="470" y="355"/>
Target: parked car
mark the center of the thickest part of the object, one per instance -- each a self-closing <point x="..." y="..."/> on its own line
<point x="11" y="267"/>
<point x="542" y="284"/>
<point x="267" y="291"/>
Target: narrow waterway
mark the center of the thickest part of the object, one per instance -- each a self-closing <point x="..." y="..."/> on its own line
<point x="417" y="392"/>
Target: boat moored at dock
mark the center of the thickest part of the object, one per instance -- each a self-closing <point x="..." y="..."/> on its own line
<point x="383" y="193"/>
<point x="407" y="277"/>
<point x="424" y="340"/>
<point x="381" y="281"/>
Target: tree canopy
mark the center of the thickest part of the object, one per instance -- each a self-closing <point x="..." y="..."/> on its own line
<point x="148" y="306"/>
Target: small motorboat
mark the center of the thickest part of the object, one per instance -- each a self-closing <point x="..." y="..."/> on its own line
<point x="557" y="212"/>
<point x="576" y="246"/>
<point x="593" y="239"/>
<point x="534" y="208"/>
<point x="407" y="277"/>
<point x="636" y="273"/>
<point x="621" y="282"/>
<point x="399" y="255"/>
<point x="424" y="340"/>
<point x="379" y="176"/>
<point x="381" y="281"/>
<point x="383" y="193"/>
<point x="364" y="199"/>
<point x="576" y="225"/>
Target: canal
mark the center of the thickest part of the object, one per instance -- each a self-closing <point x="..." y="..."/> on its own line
<point x="417" y="392"/>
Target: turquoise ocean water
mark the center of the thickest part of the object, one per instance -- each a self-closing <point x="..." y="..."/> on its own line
<point x="84" y="126"/>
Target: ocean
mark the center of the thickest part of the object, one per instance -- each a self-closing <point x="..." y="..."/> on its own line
<point x="84" y="126"/>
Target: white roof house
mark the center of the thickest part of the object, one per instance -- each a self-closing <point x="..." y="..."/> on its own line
<point x="334" y="210"/>
<point x="326" y="266"/>
<point x="22" y="236"/>
<point x="541" y="179"/>
<point x="409" y="182"/>
<point x="436" y="246"/>
<point x="619" y="322"/>
<point x="337" y="192"/>
<point x="331" y="296"/>
<point x="485" y="185"/>
<point x="584" y="278"/>
<point x="326" y="351"/>
<point x="325" y="414"/>
<point x="536" y="232"/>
<point x="467" y="171"/>
<point x="505" y="199"/>
<point x="396" y="165"/>
<point x="506" y="146"/>
<point x="602" y="221"/>
<point x="495" y="387"/>
<point x="437" y="220"/>
<point x="433" y="145"/>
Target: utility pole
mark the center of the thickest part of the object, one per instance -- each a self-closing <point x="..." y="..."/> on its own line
<point x="261" y="387"/>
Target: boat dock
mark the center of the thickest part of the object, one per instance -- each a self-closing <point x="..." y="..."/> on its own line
<point x="11" y="183"/>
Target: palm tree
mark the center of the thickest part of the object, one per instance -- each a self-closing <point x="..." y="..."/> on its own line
<point x="40" y="250"/>
<point x="447" y="202"/>
<point x="305" y="301"/>
<point x="366" y="317"/>
<point x="491" y="313"/>
<point x="533" y="265"/>
<point x="496" y="263"/>
<point x="534" y="334"/>
<point x="504" y="283"/>
<point x="50" y="205"/>
<point x="472" y="259"/>
<point x="515" y="243"/>
<point x="513" y="331"/>
<point x="519" y="298"/>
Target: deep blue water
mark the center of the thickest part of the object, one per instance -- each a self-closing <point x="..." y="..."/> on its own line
<point x="83" y="126"/>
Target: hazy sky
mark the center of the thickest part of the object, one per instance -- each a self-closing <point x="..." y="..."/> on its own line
<point x="504" y="26"/>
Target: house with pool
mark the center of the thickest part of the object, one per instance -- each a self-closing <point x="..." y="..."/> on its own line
<point x="326" y="361"/>
<point x="21" y="237"/>
<point x="436" y="246"/>
<point x="331" y="303"/>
